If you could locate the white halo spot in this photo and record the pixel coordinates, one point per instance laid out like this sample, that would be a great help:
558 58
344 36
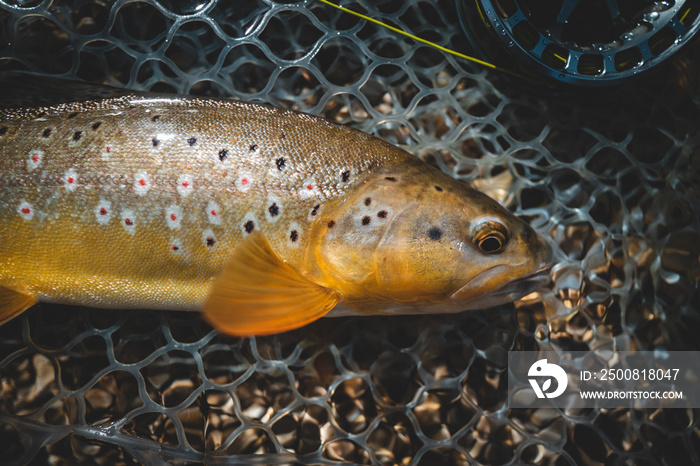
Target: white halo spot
273 208
128 220
173 216
249 217
293 227
184 185
308 189
244 181
26 210
103 212
142 183
175 246
34 159
214 213
70 180
208 237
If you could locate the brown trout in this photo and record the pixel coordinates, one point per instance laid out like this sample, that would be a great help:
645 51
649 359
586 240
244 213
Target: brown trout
264 219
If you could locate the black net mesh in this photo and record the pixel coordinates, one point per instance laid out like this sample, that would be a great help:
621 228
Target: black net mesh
611 177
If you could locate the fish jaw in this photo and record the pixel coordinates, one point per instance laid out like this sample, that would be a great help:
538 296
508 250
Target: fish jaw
508 292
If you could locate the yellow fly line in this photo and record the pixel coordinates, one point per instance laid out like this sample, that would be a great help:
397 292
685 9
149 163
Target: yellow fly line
424 41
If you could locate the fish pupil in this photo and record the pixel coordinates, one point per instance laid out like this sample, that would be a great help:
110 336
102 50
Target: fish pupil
490 244
435 233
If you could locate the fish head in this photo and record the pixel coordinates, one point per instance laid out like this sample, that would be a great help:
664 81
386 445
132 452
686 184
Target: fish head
420 238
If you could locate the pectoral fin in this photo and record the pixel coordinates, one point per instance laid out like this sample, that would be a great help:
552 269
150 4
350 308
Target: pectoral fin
258 294
13 303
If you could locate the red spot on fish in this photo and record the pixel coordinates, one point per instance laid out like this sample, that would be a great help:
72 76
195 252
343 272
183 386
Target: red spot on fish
70 180
244 181
173 217
142 182
213 212
309 187
108 150
26 210
128 221
103 211
185 184
35 158
174 248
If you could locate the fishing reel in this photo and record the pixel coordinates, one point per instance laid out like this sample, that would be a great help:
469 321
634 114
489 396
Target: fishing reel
581 42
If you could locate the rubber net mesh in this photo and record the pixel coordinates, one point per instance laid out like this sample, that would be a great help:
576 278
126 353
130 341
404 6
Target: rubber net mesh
611 177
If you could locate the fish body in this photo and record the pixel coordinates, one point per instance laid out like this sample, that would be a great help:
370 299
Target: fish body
265 218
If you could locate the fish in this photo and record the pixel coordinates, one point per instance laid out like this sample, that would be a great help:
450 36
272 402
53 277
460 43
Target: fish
264 219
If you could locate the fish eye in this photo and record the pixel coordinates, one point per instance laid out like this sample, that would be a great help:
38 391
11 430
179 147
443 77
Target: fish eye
490 237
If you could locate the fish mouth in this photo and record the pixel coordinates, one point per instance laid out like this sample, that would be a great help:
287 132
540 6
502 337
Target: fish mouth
510 291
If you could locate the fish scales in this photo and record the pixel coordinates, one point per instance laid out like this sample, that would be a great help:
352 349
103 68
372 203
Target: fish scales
158 168
265 219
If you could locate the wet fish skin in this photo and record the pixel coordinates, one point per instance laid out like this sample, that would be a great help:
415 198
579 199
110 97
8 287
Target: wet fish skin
142 201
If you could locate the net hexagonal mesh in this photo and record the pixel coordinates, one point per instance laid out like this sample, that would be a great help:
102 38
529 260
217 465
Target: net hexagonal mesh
610 177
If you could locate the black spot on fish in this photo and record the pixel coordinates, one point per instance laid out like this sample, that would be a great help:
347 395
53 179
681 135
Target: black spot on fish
46 133
390 178
96 125
253 147
382 214
73 115
368 201
211 242
435 233
293 236
155 117
155 142
438 188
331 224
249 226
77 135
315 209
283 136
274 210
346 177
3 130
223 154
192 141
280 163
365 220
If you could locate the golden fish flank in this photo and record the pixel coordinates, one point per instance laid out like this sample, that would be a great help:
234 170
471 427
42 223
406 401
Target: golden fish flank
266 219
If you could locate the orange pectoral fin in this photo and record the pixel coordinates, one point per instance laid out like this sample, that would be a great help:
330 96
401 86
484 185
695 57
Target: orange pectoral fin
13 303
258 294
